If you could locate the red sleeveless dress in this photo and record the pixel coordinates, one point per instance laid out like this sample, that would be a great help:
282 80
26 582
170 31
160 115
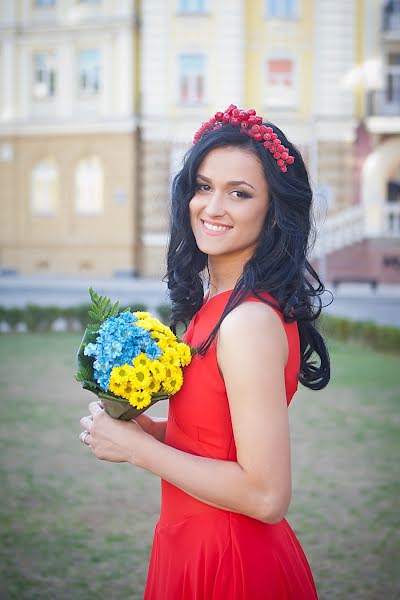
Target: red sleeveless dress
201 552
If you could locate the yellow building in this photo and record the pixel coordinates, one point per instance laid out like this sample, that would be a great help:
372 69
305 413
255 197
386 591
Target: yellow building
109 95
68 136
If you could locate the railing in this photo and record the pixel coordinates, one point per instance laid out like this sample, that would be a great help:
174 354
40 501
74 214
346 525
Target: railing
391 223
340 230
380 104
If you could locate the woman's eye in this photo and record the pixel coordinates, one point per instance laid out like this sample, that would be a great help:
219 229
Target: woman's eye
241 194
201 186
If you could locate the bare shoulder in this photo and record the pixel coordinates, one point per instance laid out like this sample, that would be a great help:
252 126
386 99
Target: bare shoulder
255 325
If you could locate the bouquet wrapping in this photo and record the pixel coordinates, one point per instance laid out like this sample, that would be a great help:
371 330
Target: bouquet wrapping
130 360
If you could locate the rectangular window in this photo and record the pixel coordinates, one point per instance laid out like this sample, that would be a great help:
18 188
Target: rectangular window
44 75
192 6
192 68
281 88
281 9
89 66
45 3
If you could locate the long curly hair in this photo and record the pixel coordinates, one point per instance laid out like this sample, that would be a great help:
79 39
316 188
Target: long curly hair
279 263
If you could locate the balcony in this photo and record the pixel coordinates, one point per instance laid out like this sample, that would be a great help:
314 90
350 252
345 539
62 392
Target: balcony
391 21
392 220
382 104
382 112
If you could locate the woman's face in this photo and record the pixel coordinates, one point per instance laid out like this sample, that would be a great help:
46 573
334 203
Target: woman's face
228 208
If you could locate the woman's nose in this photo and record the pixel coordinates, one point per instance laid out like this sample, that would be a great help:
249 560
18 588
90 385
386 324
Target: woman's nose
215 205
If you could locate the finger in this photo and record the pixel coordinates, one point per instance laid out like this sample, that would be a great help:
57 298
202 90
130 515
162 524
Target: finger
85 438
95 409
87 423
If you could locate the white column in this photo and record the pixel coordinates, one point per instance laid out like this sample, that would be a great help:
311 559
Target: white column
24 93
67 77
106 81
7 105
230 52
124 73
154 58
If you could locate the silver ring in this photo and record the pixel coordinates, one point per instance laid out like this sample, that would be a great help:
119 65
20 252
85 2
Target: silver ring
83 439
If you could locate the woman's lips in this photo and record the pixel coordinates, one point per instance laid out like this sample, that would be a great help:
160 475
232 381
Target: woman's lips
214 228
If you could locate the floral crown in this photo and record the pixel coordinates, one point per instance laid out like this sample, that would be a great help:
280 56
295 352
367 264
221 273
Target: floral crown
251 125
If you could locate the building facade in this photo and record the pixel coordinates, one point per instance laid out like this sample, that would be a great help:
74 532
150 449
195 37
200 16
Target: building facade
101 100
68 132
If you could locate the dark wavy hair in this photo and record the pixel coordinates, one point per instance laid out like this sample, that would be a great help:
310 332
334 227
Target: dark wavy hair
279 264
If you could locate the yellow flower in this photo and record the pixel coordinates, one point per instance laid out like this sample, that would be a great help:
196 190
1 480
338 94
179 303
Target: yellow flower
142 361
184 353
173 380
116 387
170 358
140 378
157 369
140 398
154 386
140 314
127 390
121 374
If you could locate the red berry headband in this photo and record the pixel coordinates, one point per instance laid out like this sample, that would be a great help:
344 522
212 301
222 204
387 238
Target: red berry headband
250 124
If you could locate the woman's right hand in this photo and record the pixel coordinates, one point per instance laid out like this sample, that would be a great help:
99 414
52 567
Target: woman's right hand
152 425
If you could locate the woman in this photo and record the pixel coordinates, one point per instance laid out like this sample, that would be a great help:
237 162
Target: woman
240 216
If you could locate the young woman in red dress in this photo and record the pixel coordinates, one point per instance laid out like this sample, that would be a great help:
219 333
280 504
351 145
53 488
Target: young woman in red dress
241 223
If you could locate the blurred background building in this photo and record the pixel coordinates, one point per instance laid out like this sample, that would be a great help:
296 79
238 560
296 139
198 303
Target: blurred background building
100 99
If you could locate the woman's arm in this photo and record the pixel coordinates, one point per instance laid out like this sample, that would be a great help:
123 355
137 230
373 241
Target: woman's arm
259 483
155 426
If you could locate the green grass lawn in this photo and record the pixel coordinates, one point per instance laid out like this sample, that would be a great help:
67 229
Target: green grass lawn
76 528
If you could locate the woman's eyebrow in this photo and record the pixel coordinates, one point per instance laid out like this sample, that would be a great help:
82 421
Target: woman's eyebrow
228 182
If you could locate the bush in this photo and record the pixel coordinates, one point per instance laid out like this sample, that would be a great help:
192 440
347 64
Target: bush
378 337
164 311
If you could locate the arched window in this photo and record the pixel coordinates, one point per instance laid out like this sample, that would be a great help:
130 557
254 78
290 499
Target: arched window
89 186
44 188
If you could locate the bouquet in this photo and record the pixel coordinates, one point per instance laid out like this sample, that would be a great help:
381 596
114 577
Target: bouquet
130 360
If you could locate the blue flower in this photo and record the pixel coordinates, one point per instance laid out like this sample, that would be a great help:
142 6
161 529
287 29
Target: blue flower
118 342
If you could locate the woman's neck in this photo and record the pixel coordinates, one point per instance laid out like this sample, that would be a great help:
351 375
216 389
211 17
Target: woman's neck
224 273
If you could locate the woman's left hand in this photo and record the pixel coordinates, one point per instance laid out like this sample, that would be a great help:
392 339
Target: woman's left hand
111 439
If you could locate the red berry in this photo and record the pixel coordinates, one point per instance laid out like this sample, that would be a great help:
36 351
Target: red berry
284 155
290 160
284 169
219 116
251 111
267 136
267 144
226 117
259 120
234 121
281 162
281 148
263 129
258 136
277 155
251 120
236 112
244 124
270 130
273 136
255 128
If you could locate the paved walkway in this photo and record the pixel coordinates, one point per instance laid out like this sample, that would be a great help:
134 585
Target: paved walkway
356 301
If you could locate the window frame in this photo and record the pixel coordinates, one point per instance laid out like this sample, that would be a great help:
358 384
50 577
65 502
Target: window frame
82 93
194 103
284 56
52 53
295 14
